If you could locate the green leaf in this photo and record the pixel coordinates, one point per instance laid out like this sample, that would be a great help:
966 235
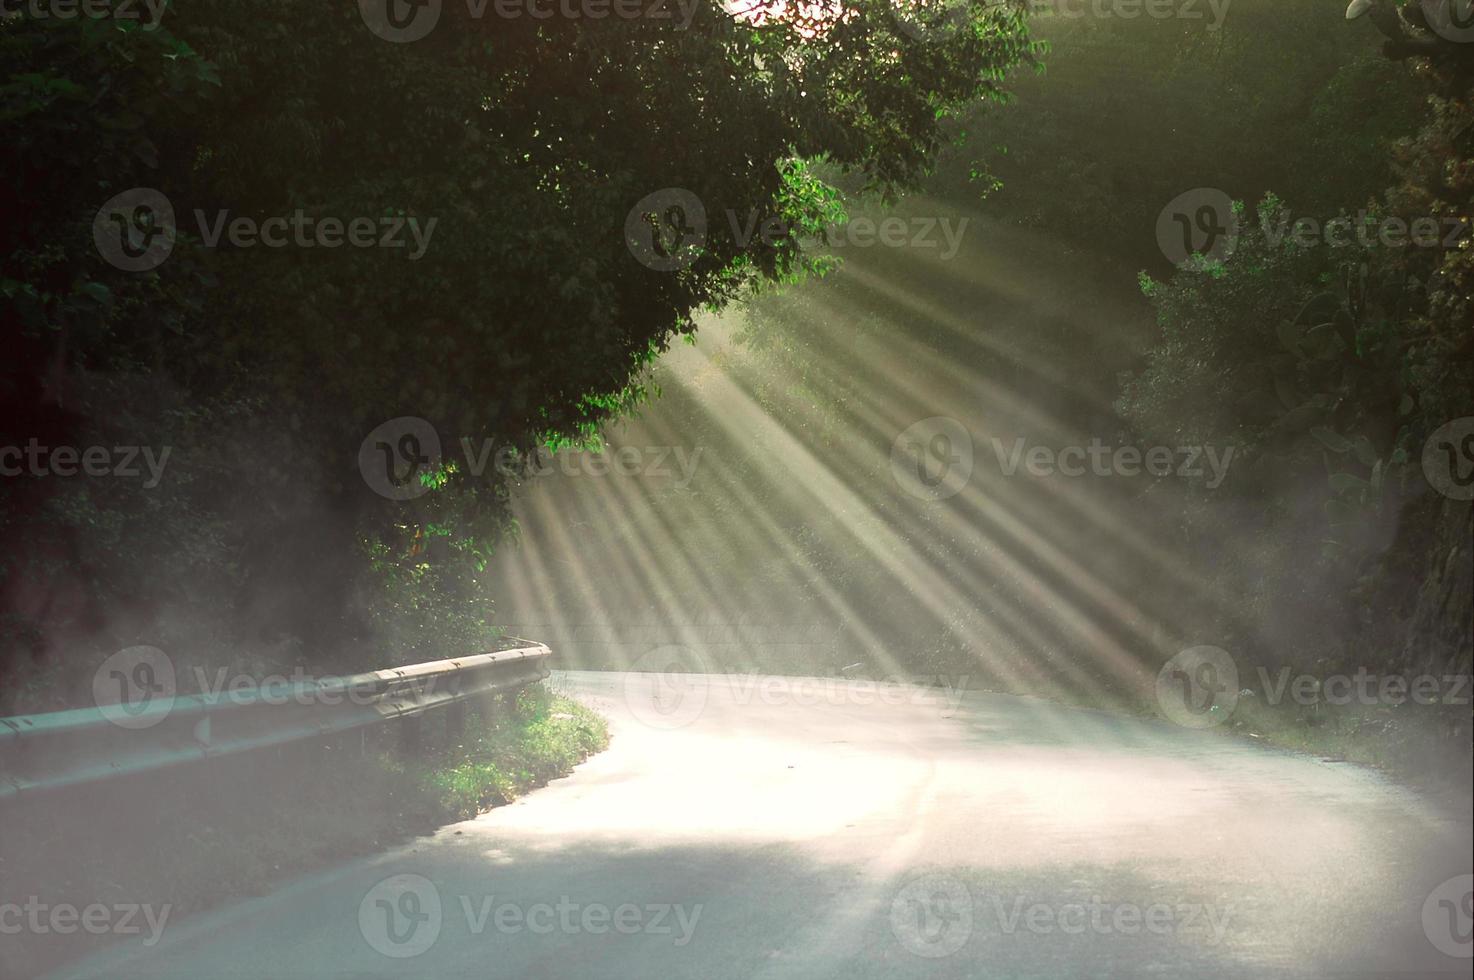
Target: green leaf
97 291
1290 335
1332 440
1286 393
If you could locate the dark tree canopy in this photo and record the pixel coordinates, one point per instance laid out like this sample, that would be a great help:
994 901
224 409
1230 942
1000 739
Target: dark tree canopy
507 154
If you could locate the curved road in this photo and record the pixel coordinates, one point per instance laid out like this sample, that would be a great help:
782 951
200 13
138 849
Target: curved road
775 828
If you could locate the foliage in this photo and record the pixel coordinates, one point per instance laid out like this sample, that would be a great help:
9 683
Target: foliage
526 321
1132 112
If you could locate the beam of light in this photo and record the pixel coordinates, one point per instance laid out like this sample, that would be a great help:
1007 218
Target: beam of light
1063 619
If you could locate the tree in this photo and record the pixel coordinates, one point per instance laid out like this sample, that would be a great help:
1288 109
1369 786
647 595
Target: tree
520 315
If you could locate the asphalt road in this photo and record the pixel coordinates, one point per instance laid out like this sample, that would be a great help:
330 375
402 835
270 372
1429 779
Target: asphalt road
822 828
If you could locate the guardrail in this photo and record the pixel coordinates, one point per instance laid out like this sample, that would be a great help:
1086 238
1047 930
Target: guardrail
65 748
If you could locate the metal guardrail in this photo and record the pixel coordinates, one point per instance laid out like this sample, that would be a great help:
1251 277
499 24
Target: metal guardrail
66 748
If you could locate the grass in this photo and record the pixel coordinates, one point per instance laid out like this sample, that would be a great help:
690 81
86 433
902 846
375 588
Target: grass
194 838
1426 747
496 765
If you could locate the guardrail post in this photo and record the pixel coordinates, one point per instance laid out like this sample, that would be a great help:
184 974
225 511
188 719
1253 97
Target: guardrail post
455 722
409 735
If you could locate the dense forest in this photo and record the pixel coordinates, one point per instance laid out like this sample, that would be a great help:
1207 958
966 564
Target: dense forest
242 387
1327 369
469 206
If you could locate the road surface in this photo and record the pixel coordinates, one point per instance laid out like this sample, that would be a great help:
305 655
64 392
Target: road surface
779 828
